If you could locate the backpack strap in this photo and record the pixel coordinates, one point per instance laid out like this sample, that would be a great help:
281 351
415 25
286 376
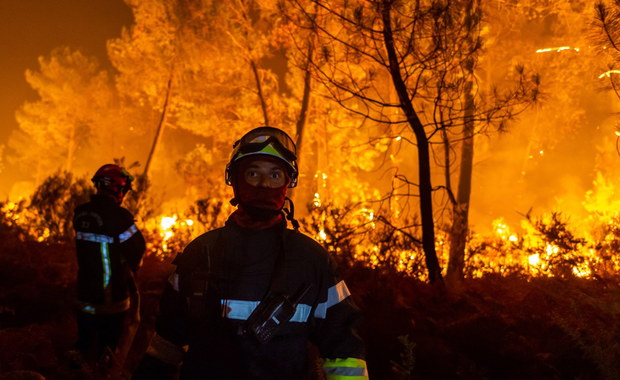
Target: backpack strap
197 282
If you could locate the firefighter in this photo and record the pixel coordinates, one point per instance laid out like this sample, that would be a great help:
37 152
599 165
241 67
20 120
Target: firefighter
245 299
109 250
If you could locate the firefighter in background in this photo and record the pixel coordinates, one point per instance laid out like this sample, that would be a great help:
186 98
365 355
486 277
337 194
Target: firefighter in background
245 299
109 252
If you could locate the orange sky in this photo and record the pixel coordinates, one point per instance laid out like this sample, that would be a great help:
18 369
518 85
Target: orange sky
32 28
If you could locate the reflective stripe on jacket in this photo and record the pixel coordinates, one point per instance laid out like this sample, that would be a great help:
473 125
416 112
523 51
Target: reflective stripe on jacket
108 246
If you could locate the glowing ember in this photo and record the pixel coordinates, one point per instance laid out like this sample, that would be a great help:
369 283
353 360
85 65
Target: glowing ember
316 201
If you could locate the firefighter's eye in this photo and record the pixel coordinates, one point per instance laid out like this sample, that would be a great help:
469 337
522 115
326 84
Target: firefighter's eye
277 174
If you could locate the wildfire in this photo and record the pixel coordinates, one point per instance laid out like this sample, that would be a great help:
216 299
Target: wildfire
540 248
608 73
557 49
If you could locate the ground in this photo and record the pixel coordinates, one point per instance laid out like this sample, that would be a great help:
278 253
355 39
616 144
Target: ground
490 328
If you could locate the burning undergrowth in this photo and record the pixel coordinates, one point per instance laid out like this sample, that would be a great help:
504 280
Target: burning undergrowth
541 303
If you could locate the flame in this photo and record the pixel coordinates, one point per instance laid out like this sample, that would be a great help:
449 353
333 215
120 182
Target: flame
557 49
608 73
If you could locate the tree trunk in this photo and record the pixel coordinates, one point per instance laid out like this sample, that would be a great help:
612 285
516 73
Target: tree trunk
460 214
425 188
305 102
259 90
303 117
160 128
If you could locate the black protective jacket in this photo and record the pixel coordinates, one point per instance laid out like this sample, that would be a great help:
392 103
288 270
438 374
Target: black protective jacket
220 279
109 250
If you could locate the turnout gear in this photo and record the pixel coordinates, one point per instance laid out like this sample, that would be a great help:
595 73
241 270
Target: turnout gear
267 141
245 299
223 279
109 250
113 181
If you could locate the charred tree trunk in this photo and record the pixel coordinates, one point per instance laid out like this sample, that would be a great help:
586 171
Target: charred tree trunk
425 188
305 103
259 91
160 128
460 214
303 116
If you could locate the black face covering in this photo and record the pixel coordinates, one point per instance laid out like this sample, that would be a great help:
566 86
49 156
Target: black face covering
259 213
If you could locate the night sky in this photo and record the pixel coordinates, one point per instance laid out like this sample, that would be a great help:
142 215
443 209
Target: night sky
32 28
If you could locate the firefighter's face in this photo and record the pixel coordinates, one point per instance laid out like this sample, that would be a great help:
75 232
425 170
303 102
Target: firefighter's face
263 173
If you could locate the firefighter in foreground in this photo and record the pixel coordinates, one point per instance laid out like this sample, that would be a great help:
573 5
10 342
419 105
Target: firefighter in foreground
109 252
245 299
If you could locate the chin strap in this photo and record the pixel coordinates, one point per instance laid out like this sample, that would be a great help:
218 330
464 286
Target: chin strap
290 213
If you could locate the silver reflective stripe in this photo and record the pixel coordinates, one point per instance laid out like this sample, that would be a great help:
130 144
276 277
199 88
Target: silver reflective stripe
88 309
237 309
346 371
128 233
173 280
95 238
335 295
105 260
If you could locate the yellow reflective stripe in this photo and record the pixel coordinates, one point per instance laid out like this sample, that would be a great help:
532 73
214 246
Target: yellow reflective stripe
105 261
345 369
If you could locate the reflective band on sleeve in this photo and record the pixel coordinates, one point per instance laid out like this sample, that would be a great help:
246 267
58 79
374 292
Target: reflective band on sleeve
237 309
112 308
335 295
165 350
95 238
345 369
128 233
105 261
173 280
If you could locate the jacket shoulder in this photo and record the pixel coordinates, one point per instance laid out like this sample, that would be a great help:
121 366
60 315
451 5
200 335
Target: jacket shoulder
196 250
304 244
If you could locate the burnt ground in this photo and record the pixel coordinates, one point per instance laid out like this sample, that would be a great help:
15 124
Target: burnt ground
490 328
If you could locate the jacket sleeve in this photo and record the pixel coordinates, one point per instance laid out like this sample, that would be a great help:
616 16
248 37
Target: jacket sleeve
336 320
132 243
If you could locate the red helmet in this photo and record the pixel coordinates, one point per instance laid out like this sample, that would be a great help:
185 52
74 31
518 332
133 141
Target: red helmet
113 180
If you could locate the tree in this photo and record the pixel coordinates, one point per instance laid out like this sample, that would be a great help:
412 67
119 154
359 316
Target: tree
607 17
198 67
75 97
427 51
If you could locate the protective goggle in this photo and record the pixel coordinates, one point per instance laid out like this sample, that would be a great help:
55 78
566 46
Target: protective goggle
122 182
265 140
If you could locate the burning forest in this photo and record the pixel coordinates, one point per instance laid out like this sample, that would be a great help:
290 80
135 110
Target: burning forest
459 160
